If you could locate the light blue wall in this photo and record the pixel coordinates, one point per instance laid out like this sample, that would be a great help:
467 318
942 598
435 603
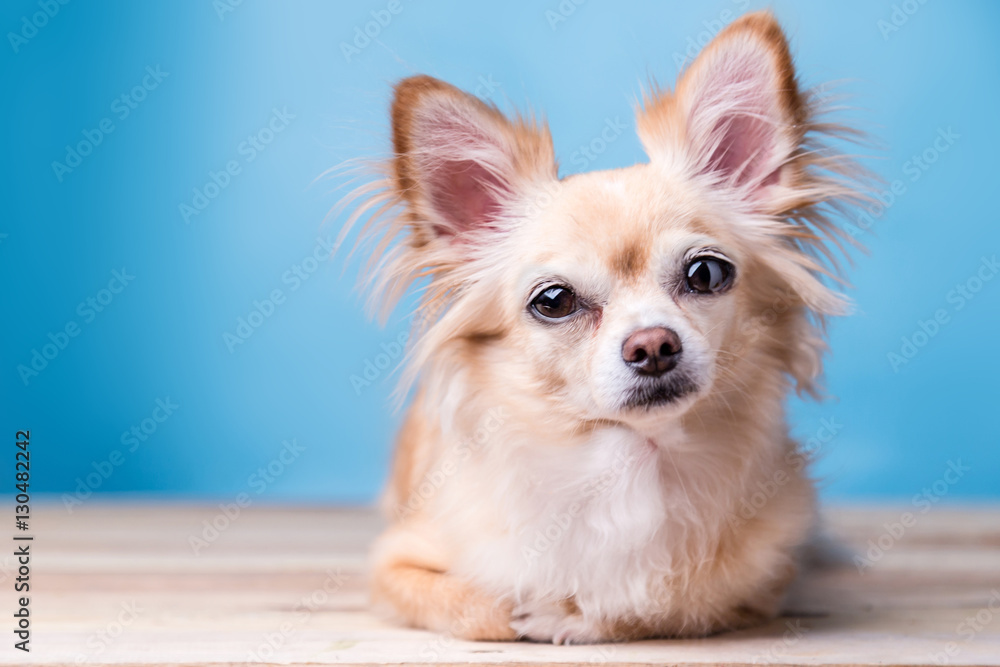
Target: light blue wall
223 75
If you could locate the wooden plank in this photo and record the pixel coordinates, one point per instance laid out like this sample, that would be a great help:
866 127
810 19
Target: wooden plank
121 584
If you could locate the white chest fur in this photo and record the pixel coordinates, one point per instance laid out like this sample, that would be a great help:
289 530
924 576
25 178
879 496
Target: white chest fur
594 521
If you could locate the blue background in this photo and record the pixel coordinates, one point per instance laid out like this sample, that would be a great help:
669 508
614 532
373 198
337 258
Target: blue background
163 335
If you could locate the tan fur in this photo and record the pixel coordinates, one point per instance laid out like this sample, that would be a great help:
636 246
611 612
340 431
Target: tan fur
516 422
416 588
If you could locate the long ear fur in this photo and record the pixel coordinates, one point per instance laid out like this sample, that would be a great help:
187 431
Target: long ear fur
738 122
459 161
458 179
461 177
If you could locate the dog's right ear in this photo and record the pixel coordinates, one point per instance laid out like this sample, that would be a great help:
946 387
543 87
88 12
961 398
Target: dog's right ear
460 165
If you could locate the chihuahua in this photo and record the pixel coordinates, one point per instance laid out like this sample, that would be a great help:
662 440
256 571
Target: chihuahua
596 446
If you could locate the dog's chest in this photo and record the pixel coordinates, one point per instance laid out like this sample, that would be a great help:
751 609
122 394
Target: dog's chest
591 523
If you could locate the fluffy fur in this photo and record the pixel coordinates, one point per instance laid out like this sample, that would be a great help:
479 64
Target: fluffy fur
540 488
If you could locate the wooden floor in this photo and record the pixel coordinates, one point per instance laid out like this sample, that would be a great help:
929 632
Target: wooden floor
115 584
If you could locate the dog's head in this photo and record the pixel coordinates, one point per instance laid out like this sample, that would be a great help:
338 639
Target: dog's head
621 295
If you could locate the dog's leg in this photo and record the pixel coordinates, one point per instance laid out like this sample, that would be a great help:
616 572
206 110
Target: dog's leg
441 602
558 622
425 596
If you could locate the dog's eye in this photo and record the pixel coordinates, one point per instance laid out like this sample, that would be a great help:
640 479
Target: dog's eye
706 275
555 302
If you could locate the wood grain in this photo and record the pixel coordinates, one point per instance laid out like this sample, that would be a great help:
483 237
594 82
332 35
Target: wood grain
122 584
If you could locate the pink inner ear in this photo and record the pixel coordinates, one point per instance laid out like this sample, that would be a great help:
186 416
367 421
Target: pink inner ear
734 118
743 151
464 194
464 169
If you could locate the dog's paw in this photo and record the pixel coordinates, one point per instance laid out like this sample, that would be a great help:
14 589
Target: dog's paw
556 622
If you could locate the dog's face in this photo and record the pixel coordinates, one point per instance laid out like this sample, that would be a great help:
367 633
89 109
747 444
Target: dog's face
621 295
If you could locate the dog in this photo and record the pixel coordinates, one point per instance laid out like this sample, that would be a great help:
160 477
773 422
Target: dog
596 447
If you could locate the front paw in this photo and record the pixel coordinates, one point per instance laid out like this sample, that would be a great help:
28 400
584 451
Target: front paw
557 622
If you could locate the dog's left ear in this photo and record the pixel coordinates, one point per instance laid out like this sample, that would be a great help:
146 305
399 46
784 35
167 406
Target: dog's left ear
736 115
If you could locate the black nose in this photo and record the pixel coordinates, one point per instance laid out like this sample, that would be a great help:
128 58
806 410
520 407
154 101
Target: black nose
652 351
